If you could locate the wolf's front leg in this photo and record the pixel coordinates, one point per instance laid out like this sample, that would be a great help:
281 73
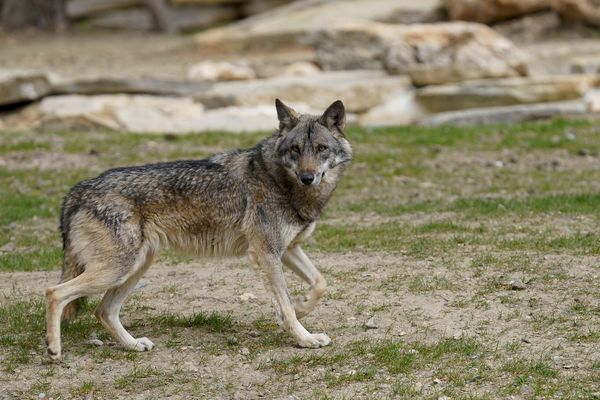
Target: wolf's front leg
272 270
295 259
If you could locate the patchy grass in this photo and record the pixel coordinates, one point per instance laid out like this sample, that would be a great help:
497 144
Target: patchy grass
435 223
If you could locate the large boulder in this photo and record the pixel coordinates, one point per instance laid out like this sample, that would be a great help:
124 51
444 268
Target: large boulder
428 53
360 90
586 11
488 11
18 86
143 114
503 92
294 24
134 113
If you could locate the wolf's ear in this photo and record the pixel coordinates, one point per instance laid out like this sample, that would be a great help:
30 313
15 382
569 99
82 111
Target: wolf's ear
288 117
334 116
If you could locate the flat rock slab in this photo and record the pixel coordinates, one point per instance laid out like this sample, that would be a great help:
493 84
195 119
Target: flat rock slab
293 24
360 90
143 114
507 114
110 85
18 86
504 92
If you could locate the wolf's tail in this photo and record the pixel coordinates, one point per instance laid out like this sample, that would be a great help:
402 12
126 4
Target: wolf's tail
71 269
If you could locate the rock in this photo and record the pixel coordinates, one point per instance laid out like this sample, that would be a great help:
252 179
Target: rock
585 64
118 112
370 324
190 19
360 90
586 11
17 86
247 297
95 342
517 284
487 11
592 100
220 71
252 7
87 8
530 28
245 351
299 68
428 53
8 248
262 117
399 109
294 24
136 19
104 85
506 114
502 92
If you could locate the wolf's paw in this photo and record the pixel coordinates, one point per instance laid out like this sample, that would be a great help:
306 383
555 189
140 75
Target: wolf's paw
53 350
54 354
315 340
142 344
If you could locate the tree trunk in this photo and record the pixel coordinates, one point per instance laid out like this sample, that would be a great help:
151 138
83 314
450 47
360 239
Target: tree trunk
42 14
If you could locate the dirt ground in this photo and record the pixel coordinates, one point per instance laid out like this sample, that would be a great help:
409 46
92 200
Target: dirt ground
362 286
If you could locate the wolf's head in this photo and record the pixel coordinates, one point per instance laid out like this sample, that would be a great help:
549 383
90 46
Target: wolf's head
310 146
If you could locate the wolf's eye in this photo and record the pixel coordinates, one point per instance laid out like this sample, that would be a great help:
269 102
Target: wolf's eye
295 148
321 148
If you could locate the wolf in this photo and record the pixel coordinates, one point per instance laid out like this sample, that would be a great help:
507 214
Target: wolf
261 202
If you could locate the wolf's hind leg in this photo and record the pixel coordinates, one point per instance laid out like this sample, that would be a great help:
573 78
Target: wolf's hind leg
110 306
295 259
272 270
92 281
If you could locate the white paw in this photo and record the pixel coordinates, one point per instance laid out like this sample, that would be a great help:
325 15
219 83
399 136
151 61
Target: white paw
142 344
53 354
315 340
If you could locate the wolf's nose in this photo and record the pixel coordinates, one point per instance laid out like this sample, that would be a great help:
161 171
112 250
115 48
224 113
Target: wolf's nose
307 178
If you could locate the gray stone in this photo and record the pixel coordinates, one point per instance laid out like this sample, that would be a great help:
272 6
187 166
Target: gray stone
134 19
104 85
360 90
502 92
399 109
506 114
17 86
371 324
190 19
428 53
87 8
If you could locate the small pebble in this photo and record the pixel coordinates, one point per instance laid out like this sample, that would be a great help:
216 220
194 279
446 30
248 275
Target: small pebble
245 351
171 273
231 340
247 297
370 324
95 342
517 284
